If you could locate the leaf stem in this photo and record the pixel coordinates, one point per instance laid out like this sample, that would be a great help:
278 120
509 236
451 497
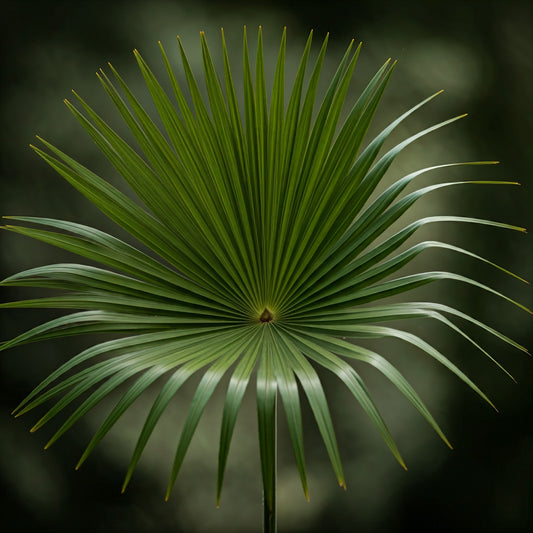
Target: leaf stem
270 524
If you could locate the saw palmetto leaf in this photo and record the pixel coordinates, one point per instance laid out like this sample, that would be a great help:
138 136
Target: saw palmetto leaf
268 254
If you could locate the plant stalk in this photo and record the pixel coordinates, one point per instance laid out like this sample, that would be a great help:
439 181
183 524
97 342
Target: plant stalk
270 503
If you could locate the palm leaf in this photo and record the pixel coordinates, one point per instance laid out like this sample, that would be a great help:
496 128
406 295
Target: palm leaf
262 225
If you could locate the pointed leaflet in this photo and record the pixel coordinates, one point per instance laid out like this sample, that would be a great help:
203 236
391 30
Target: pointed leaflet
116 346
401 312
217 267
346 349
267 423
203 354
108 250
356 386
121 367
128 215
234 395
369 225
357 278
274 162
288 389
399 285
355 331
315 245
317 400
315 153
205 389
229 218
239 216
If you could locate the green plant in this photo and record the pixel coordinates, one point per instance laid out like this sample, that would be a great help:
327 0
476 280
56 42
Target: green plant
264 229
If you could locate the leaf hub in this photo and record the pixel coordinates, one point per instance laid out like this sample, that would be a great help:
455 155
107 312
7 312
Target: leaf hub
266 316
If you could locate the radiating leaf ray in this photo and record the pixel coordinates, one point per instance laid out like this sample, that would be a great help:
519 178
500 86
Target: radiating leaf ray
267 422
336 345
204 355
370 225
288 388
317 400
357 387
205 389
234 396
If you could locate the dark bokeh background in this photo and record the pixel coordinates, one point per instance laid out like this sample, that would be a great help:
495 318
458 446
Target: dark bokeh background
481 53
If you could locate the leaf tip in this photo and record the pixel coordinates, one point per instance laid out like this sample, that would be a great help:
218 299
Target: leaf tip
401 461
81 460
17 411
527 309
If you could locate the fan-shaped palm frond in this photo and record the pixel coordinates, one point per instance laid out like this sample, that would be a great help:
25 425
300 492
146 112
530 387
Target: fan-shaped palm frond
264 239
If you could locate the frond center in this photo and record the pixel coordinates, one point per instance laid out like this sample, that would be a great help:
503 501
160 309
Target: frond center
266 316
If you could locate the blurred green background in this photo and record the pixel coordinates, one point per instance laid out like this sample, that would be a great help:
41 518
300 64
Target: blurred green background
481 53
